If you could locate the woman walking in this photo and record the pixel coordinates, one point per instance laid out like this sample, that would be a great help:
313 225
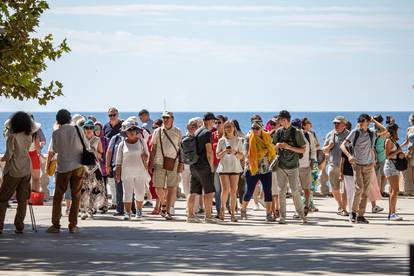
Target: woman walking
260 153
229 152
93 191
17 170
393 151
132 168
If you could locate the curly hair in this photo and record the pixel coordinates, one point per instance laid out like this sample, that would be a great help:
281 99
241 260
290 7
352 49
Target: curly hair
21 122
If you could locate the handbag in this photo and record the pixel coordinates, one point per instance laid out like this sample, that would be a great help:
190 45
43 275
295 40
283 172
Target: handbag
401 164
88 157
168 163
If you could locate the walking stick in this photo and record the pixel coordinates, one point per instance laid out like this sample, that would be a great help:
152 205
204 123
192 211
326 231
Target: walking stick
32 216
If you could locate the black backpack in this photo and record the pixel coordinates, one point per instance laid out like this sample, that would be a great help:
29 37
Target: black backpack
189 147
292 140
357 134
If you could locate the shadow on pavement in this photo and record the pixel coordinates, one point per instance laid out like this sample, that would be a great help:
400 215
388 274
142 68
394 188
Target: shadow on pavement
114 250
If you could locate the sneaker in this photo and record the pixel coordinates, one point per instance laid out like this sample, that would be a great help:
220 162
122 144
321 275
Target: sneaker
362 219
352 217
377 209
256 207
84 216
296 216
193 220
148 204
394 217
74 230
270 218
339 213
127 216
282 220
53 230
172 211
138 215
210 220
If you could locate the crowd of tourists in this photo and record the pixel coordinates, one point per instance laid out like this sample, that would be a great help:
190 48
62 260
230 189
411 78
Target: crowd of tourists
124 165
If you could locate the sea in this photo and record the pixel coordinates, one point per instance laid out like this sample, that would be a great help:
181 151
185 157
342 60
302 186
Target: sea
322 121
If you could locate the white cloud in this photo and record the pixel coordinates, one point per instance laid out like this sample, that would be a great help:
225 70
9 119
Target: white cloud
159 46
150 9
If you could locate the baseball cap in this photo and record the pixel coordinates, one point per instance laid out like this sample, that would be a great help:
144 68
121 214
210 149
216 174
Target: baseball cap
339 119
209 116
128 125
167 114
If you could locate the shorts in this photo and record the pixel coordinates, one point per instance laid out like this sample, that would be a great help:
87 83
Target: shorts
390 169
134 185
34 156
202 179
379 169
305 177
334 173
229 173
163 178
275 186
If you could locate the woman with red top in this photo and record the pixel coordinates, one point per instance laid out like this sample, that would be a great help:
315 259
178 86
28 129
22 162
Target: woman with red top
217 134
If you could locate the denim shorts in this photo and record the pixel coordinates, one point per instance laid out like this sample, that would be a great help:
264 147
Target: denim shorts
390 169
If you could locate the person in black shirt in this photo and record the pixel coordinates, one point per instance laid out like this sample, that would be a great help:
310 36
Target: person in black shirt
202 172
113 127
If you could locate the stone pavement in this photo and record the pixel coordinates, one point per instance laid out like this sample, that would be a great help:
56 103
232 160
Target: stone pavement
328 245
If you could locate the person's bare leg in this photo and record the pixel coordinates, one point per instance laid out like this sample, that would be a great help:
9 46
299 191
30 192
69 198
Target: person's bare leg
394 189
234 181
225 185
138 204
208 203
127 206
337 195
171 196
36 180
190 205
344 200
161 196
307 197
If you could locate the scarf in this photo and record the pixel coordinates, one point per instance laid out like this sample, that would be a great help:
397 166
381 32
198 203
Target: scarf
260 147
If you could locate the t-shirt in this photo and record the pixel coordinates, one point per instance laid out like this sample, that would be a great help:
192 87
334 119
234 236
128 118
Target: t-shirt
204 137
336 152
170 150
289 159
363 150
110 131
67 144
129 157
113 147
347 170
380 149
18 163
229 163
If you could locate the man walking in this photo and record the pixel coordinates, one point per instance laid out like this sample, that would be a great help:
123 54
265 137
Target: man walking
165 157
290 145
362 159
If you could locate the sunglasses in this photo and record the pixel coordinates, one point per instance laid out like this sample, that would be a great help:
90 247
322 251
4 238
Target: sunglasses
89 128
228 127
112 115
256 128
218 122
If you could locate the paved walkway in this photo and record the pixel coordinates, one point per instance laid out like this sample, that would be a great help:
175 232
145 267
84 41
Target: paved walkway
328 245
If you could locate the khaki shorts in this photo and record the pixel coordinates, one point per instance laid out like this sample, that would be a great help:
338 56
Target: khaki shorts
275 186
163 178
334 173
305 176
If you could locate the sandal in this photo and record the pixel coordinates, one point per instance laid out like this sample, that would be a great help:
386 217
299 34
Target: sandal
277 214
306 210
221 215
164 211
243 214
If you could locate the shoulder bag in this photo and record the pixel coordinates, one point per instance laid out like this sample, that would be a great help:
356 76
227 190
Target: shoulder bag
88 158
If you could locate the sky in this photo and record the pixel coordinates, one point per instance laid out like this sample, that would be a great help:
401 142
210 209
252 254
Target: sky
231 55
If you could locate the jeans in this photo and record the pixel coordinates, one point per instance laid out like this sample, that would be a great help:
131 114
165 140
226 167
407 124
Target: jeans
119 197
265 179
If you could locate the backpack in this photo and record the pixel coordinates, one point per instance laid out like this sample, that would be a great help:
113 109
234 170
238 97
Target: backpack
189 147
358 133
292 139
